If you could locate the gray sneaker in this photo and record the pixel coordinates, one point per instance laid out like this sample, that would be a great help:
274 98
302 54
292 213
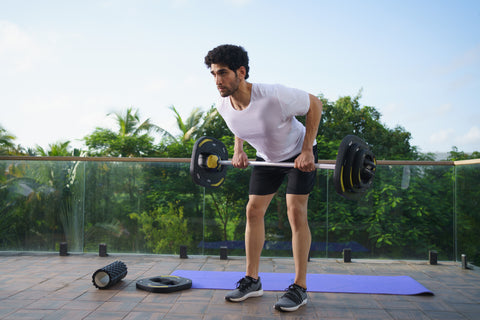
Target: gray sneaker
246 288
294 298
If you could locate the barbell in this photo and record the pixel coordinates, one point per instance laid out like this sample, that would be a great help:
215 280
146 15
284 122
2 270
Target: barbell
354 168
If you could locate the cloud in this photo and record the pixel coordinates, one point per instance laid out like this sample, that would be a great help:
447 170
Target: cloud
444 109
441 137
469 141
472 136
155 85
19 51
180 4
461 82
106 3
465 60
460 71
239 3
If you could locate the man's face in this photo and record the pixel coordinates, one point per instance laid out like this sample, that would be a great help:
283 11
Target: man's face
227 81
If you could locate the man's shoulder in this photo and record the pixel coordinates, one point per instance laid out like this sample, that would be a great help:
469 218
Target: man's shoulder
266 89
279 91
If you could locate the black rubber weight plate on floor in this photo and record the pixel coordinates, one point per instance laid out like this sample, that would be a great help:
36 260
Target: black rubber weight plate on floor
164 284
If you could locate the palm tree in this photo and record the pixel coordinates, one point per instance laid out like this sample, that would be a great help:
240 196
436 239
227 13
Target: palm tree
66 180
56 150
6 141
190 126
131 140
129 124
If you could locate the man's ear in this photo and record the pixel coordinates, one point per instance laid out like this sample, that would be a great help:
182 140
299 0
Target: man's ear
241 72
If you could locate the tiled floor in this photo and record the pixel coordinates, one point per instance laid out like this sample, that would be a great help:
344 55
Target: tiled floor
52 287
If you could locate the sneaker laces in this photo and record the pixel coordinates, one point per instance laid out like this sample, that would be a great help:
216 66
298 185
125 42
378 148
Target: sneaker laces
293 293
243 284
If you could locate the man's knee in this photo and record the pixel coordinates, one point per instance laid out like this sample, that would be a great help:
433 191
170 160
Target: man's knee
257 206
297 204
254 211
297 207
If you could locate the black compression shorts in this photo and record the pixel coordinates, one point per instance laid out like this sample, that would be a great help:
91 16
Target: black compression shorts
266 180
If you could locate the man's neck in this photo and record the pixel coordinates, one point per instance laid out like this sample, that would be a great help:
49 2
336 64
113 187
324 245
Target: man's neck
241 98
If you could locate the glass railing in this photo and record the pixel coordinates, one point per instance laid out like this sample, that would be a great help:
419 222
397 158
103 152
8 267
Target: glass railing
466 217
152 206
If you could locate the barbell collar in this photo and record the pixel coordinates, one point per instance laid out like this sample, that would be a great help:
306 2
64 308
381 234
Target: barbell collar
369 163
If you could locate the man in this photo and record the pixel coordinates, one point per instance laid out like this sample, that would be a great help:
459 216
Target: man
264 116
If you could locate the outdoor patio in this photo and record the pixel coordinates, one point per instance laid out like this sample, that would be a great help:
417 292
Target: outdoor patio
48 286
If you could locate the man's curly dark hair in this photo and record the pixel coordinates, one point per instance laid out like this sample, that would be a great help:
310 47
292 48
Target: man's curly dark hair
230 55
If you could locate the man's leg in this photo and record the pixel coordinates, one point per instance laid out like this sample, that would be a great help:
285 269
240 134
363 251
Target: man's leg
296 295
301 238
250 285
255 231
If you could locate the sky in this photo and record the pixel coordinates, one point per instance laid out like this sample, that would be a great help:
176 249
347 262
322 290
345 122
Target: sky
66 65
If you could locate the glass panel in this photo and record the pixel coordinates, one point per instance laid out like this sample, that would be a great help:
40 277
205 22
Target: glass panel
225 217
41 205
153 207
467 203
142 208
407 212
225 214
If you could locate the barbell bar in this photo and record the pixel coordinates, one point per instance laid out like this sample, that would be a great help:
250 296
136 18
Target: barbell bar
354 168
276 164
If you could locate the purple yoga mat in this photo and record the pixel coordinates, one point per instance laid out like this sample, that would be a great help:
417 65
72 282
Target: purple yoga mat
339 283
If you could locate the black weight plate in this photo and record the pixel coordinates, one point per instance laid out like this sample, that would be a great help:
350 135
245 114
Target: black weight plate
350 156
164 284
340 170
201 175
348 180
343 179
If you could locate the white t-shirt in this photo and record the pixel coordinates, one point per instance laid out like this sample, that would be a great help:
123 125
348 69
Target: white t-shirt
268 123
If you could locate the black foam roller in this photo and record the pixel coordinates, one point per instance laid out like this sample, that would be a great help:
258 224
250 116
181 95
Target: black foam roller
109 275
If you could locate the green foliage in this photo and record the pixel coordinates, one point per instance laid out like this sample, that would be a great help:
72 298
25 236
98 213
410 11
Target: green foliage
49 196
165 228
58 149
6 142
467 202
127 142
176 149
155 207
347 116
227 206
190 126
103 142
455 155
213 125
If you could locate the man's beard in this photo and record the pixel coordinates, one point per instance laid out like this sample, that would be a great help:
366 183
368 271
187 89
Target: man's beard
229 91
